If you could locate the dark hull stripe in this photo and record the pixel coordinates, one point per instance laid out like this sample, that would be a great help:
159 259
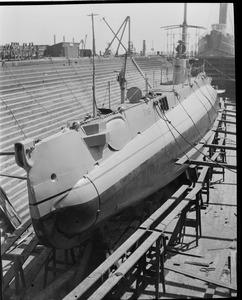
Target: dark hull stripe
49 198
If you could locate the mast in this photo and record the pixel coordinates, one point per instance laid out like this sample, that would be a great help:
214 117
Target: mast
93 67
129 37
184 25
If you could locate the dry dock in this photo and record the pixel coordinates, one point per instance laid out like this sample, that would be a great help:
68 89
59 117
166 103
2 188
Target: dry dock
188 250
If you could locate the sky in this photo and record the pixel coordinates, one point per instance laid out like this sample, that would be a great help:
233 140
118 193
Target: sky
39 23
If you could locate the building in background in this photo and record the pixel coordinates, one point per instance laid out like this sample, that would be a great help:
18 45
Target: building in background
63 49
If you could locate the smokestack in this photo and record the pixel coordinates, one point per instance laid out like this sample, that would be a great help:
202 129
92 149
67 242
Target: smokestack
54 39
223 13
144 48
63 39
73 40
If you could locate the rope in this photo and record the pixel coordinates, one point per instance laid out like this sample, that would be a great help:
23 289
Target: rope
204 155
232 79
169 122
194 92
204 94
178 98
14 118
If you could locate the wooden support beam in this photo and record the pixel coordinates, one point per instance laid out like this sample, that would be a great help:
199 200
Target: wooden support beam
211 164
32 270
220 146
229 103
98 273
215 156
83 264
193 192
166 213
224 115
179 208
229 111
197 276
208 137
159 213
19 258
52 288
233 269
125 267
15 236
227 121
189 154
225 131
203 173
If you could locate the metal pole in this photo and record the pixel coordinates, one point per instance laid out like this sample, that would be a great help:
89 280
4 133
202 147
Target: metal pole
109 95
184 25
93 66
129 36
146 85
121 40
115 35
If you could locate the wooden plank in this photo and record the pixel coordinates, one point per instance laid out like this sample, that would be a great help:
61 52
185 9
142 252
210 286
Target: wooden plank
129 231
233 269
32 270
125 267
92 278
24 255
99 272
83 264
197 276
105 266
229 110
208 137
229 104
189 154
48 292
226 131
223 257
160 211
215 156
162 226
226 121
220 146
212 164
8 213
193 192
203 174
16 234
224 115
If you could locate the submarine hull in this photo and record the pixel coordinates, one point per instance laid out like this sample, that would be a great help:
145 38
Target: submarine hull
144 163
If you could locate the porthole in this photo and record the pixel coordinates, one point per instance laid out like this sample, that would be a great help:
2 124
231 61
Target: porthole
53 177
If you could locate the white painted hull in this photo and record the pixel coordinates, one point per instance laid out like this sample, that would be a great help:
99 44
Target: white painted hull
89 188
